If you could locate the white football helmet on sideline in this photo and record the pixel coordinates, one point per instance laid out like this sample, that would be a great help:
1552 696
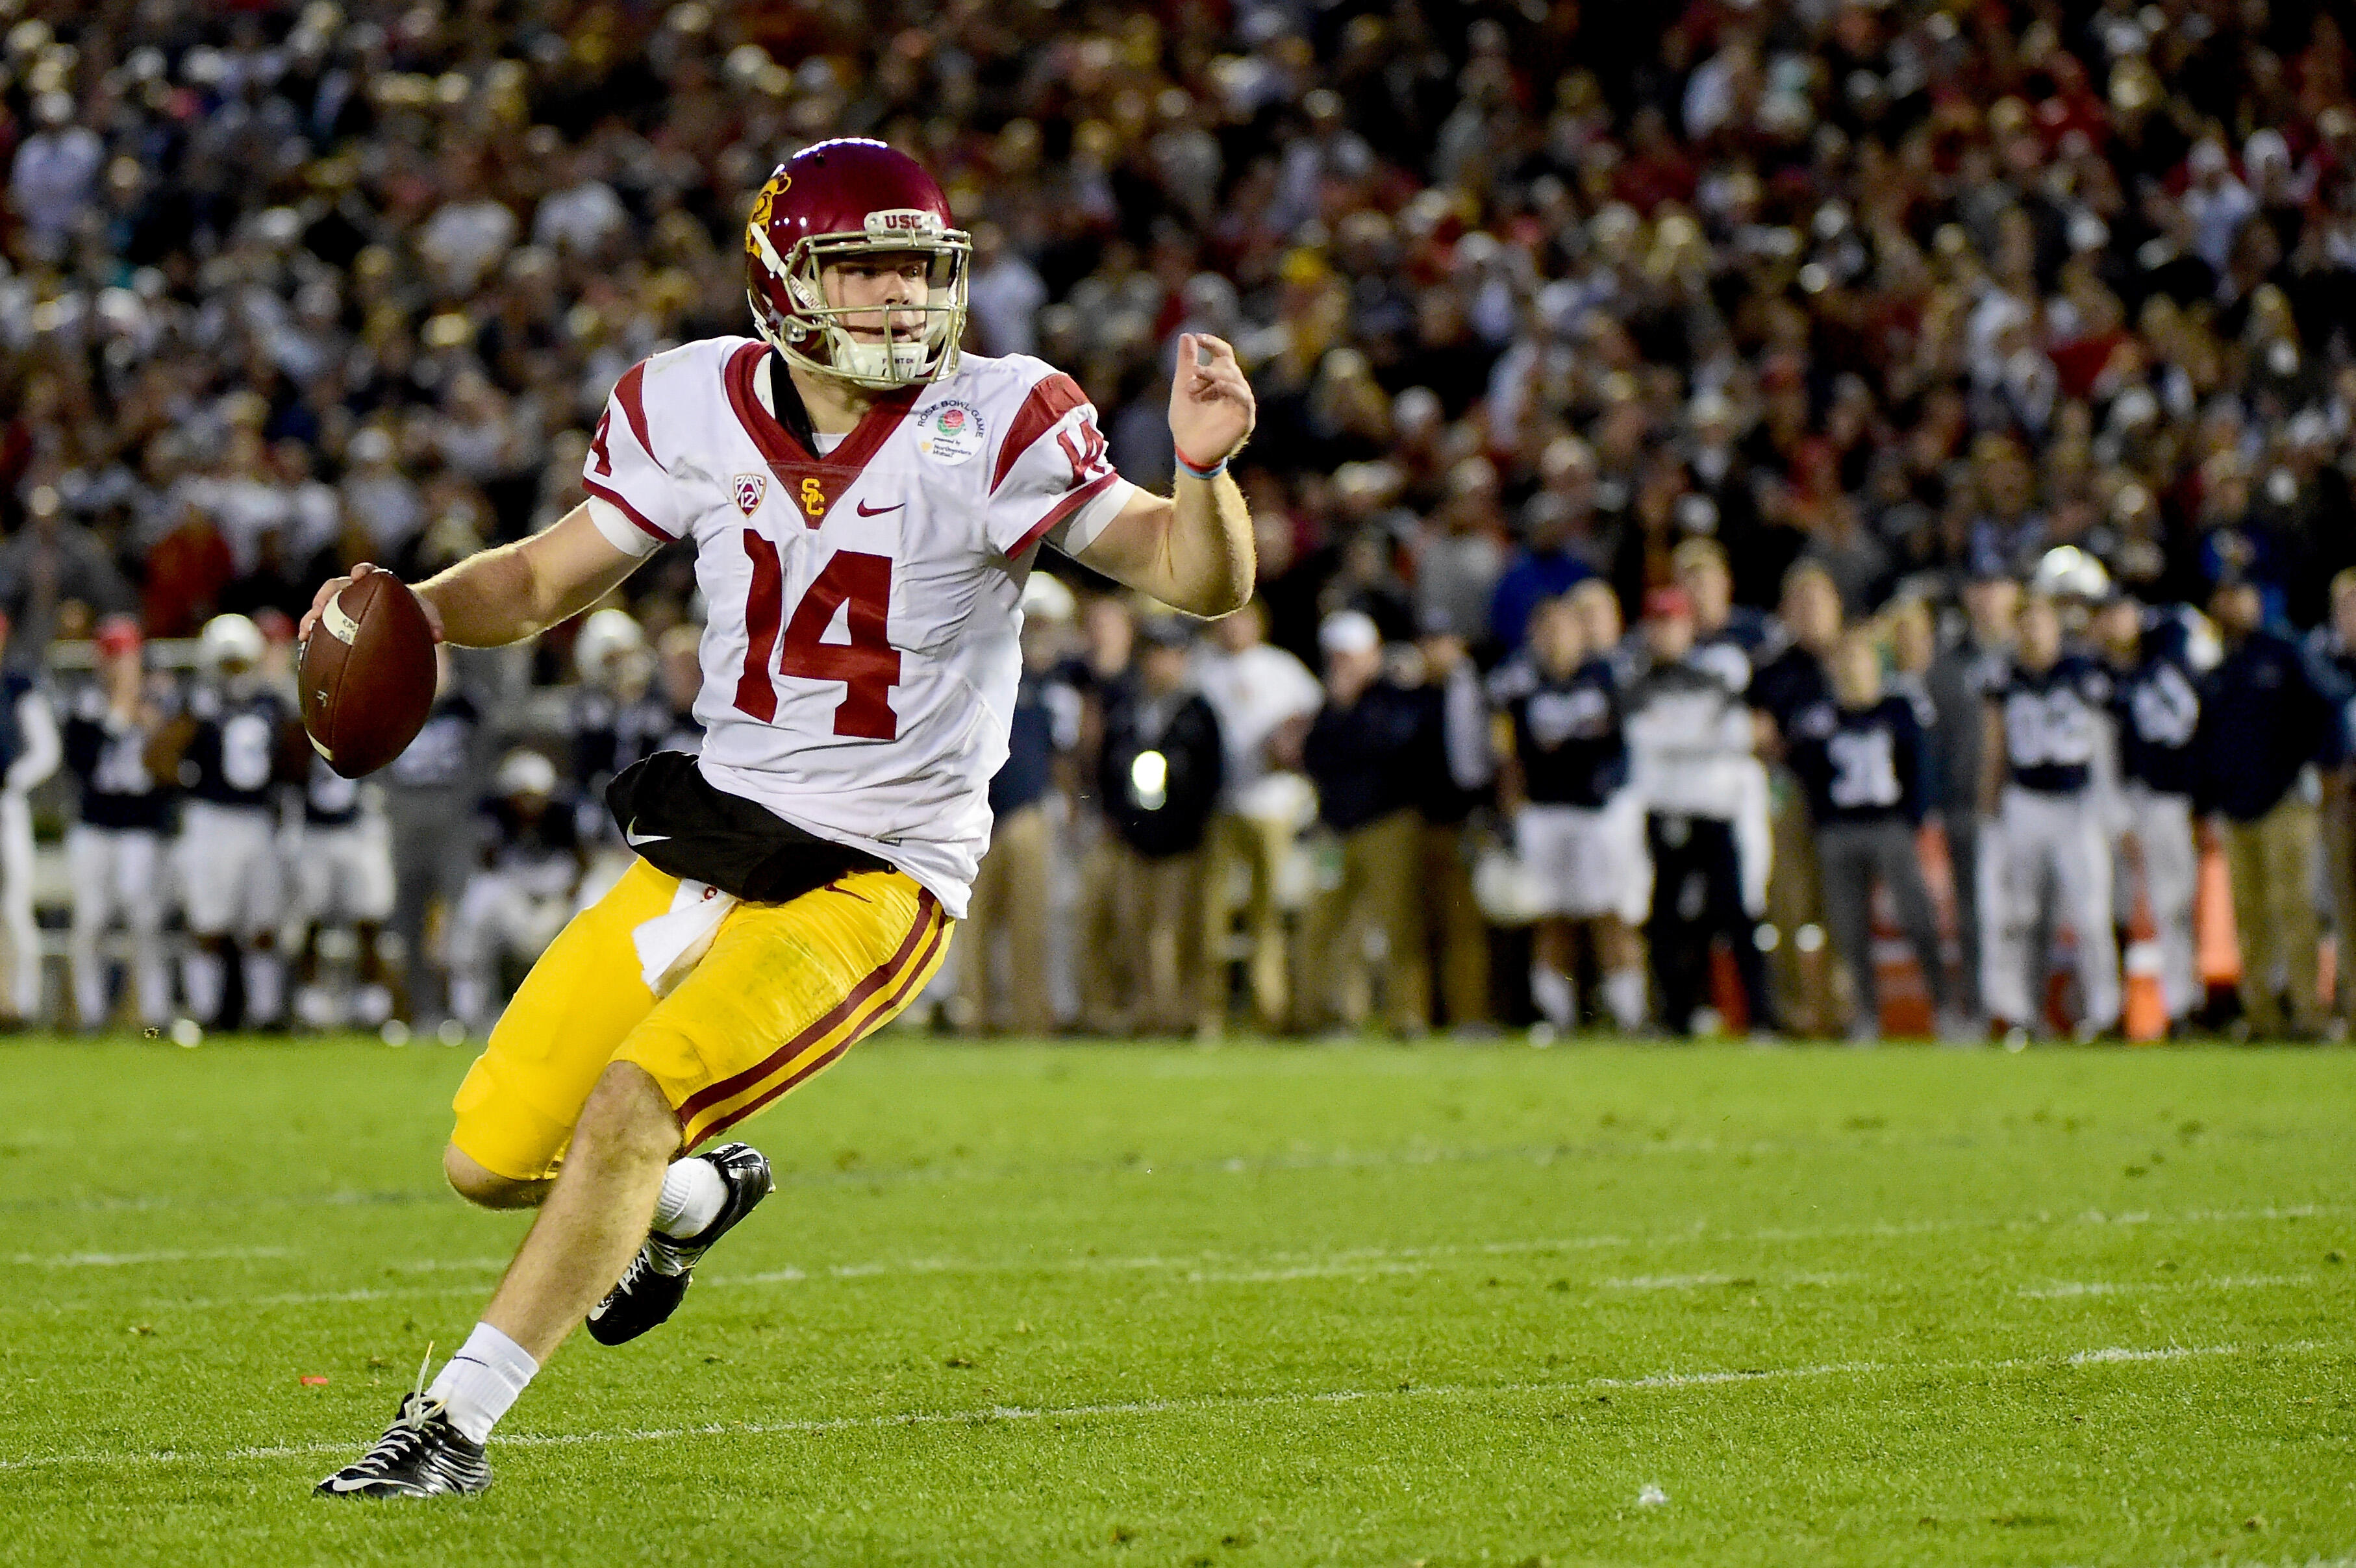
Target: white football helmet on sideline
611 648
229 644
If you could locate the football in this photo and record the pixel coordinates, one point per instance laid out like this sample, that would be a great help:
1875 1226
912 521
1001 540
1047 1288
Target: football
367 672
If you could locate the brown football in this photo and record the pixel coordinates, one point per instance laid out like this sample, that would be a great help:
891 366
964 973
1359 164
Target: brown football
368 677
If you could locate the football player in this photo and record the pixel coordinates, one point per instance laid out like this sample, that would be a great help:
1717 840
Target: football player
2046 717
1577 826
865 503
2156 660
342 858
230 751
1859 756
115 850
29 752
532 863
618 719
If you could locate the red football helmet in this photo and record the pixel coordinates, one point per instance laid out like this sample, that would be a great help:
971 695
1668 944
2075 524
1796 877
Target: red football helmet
841 199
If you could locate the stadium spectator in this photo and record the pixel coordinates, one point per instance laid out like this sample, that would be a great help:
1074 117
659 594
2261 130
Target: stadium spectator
1158 772
2270 715
1360 752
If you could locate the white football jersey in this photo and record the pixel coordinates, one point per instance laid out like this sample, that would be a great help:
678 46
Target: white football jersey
861 649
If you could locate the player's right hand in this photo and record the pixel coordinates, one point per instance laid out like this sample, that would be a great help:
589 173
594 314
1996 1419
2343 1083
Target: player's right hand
335 585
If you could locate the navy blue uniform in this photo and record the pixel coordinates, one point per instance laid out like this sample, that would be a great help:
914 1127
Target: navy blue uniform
329 799
2158 707
117 791
443 755
232 758
1044 724
2051 719
1793 690
1864 765
1568 738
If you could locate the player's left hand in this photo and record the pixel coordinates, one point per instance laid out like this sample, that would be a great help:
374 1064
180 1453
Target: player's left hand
1211 405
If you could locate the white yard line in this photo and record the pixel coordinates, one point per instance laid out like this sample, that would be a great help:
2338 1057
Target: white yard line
1215 1404
2071 1289
1214 1268
133 1260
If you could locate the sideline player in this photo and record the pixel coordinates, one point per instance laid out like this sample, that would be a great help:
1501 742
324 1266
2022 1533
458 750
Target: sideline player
798 882
1579 829
230 751
2042 825
2156 658
341 860
115 850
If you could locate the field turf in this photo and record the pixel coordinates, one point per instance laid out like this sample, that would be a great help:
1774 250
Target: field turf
1359 1305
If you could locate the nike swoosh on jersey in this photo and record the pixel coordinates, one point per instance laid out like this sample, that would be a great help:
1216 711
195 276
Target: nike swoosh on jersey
867 511
633 837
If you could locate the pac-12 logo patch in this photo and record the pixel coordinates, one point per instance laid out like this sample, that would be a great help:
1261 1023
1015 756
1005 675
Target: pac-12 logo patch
750 488
950 430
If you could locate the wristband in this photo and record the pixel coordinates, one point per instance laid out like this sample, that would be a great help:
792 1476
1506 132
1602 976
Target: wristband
1199 471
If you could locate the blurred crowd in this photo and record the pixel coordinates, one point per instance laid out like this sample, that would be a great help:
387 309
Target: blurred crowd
1859 311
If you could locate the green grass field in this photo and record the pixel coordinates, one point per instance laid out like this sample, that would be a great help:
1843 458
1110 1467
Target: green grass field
1254 1305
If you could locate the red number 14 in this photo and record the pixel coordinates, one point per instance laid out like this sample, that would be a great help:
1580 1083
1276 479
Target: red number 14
868 665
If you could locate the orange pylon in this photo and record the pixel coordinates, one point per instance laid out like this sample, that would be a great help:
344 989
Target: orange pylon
2143 1017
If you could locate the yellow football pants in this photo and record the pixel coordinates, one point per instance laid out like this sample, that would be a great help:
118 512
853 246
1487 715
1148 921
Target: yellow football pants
783 990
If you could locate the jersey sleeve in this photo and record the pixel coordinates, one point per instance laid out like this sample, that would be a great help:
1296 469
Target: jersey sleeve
1052 478
632 499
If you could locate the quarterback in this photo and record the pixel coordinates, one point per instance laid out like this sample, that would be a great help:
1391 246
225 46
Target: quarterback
865 503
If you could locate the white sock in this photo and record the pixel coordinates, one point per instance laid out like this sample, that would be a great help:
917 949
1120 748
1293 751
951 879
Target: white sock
1550 989
692 1193
266 987
1623 993
200 983
481 1383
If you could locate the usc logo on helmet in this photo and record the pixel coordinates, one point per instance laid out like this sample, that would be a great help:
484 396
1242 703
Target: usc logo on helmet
765 204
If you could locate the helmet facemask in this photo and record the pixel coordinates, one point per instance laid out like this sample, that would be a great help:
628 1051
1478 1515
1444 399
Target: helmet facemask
819 334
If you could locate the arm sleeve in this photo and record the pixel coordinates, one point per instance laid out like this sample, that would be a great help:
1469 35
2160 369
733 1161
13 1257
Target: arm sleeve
1052 478
632 499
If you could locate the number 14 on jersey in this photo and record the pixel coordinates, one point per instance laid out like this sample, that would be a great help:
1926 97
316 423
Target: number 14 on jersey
868 665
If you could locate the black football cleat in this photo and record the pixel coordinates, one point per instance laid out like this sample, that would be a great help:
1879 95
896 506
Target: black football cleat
652 1286
421 1455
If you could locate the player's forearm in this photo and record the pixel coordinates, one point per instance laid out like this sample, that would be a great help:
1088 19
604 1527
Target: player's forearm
507 594
490 600
1207 547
